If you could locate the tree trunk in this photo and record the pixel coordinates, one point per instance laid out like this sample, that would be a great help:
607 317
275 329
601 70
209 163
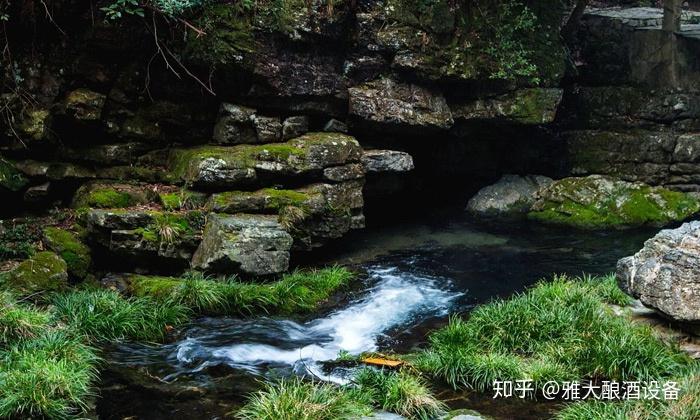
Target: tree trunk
672 15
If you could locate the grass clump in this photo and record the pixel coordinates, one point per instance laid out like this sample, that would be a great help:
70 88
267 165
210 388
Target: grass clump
685 407
103 315
558 330
19 322
300 291
398 392
47 377
294 399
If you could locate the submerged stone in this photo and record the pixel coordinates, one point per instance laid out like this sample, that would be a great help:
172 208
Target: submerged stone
248 244
665 273
599 202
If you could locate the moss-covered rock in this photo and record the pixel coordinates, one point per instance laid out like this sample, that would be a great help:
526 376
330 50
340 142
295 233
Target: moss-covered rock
524 106
267 200
221 167
84 104
75 253
152 286
108 195
44 272
599 202
10 178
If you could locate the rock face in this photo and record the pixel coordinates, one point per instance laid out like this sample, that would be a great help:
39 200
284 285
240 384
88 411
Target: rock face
525 106
386 161
665 274
598 202
394 104
248 244
213 167
511 195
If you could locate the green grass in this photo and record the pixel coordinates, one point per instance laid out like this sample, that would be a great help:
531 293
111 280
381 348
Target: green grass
294 399
19 322
297 292
104 315
686 407
398 392
48 377
558 330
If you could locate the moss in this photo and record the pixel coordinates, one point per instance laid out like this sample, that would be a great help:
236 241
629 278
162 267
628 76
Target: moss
71 249
267 200
10 178
43 272
154 286
105 198
229 34
597 203
181 200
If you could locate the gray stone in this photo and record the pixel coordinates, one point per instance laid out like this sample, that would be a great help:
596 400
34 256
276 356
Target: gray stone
247 244
294 127
387 161
335 126
687 148
511 195
234 125
37 193
394 104
344 173
665 273
267 129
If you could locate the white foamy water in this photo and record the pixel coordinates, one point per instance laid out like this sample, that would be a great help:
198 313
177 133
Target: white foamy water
397 299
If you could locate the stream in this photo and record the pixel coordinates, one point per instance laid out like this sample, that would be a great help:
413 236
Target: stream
416 274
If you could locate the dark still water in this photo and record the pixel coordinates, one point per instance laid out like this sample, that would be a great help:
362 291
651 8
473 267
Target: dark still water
416 275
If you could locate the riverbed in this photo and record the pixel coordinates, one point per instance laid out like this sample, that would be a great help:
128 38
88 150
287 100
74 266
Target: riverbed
413 277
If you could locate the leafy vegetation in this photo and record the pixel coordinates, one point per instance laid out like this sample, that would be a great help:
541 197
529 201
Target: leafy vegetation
294 399
558 330
296 292
18 241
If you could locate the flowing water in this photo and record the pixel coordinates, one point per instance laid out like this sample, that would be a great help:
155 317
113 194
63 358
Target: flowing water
416 275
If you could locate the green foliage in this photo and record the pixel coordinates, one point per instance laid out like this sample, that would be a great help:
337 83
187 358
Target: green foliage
300 291
172 8
398 392
104 315
559 330
48 377
294 399
18 241
19 322
686 407
119 8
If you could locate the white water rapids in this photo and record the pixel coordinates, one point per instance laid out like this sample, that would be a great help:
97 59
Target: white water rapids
395 299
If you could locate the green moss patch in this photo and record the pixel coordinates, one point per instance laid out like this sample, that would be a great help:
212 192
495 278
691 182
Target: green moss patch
267 200
44 272
182 200
112 196
597 202
75 253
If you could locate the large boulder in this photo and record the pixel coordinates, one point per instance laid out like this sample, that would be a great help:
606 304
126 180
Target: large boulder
247 244
214 167
394 104
599 202
665 273
511 195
